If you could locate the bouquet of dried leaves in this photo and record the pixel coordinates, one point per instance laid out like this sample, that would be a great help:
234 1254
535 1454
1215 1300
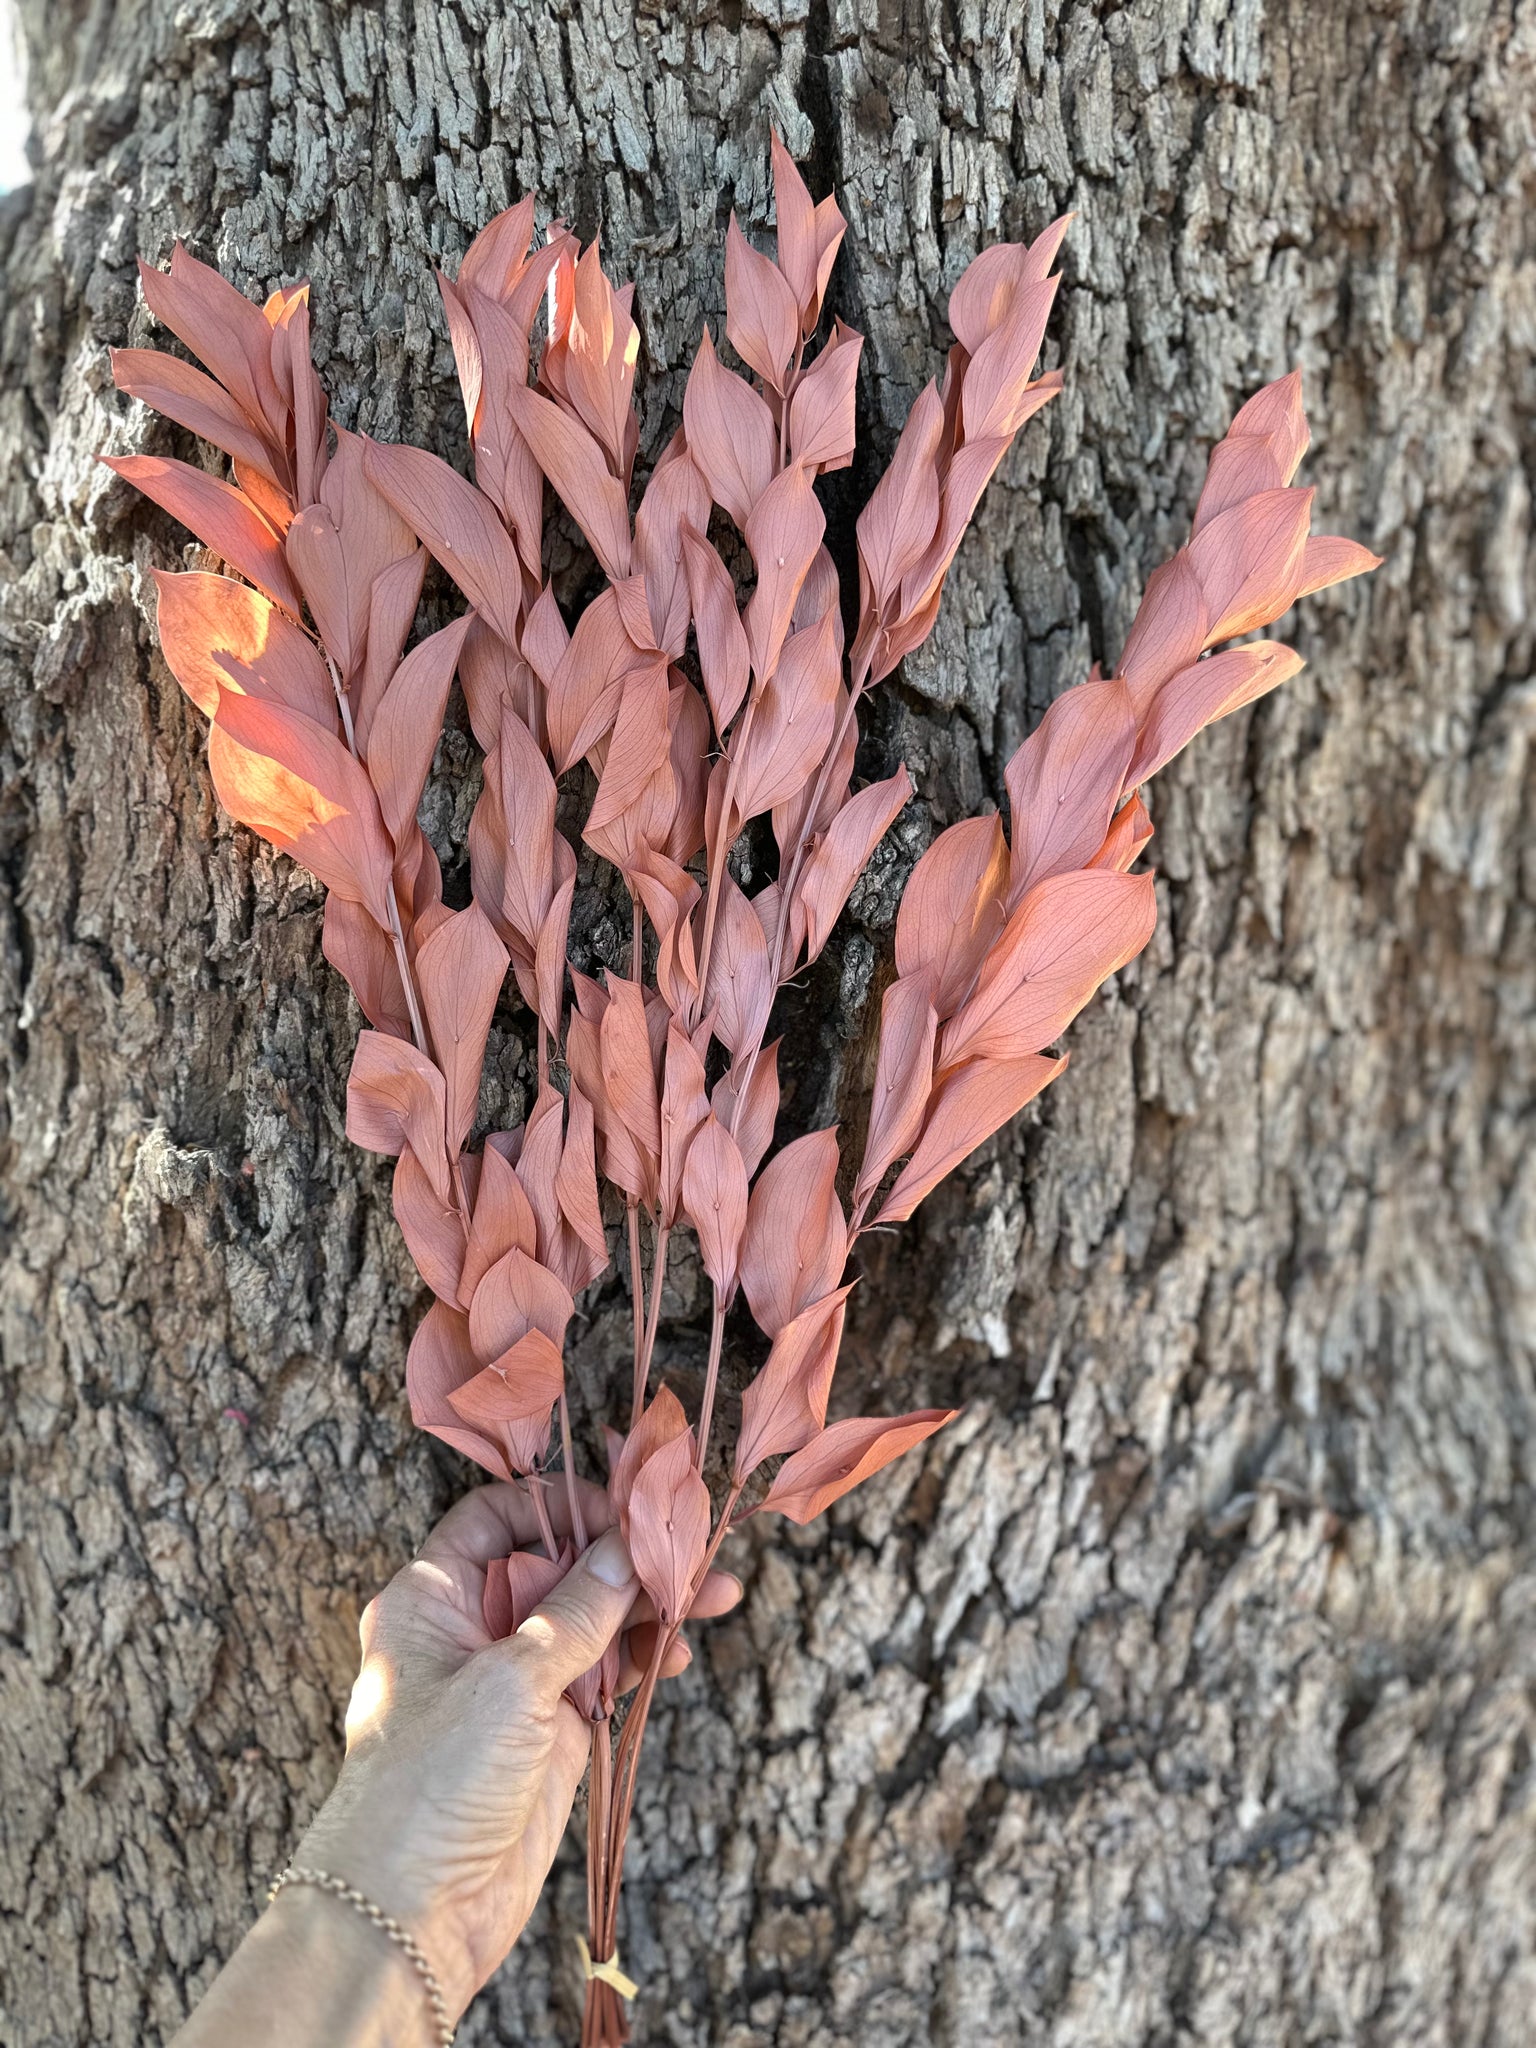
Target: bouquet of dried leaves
684 707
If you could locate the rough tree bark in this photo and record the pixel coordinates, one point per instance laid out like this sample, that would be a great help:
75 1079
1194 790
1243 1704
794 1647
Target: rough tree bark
1184 1691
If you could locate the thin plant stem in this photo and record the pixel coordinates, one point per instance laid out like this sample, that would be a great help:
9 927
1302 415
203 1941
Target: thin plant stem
541 1509
573 1498
658 1273
712 1375
637 1300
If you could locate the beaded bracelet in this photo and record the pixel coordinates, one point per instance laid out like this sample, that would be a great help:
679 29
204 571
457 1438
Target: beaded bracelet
406 1943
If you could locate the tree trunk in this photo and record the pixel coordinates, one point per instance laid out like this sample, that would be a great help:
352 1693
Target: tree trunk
1184 1690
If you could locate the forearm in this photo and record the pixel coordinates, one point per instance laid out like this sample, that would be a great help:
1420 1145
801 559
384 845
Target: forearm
312 1973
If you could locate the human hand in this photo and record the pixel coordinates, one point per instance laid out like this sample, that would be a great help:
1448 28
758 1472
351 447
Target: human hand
463 1755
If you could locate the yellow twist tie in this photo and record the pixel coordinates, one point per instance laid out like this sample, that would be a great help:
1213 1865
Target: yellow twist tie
606 1973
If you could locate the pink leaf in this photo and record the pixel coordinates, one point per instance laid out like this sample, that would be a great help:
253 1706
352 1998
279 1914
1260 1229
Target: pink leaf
669 1526
723 659
808 236
628 1068
218 634
1331 559
731 434
843 853
460 970
796 1241
899 522
586 688
821 420
786 1404
751 1122
358 949
458 524
903 1077
295 783
783 531
638 747
676 504
968 1107
835 1462
1248 560
1169 630
396 1097
953 908
440 1361
663 1422
408 723
762 318
195 402
518 1294
222 518
715 1200
1204 692
432 1228
1129 831
223 330
794 722
684 1108
524 1382
1064 782
574 465
503 1218
740 986
1067 936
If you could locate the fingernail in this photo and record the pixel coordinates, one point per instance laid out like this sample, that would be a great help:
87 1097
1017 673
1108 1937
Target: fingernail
609 1560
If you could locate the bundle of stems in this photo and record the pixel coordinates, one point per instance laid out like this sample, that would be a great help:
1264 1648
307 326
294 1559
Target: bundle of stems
704 705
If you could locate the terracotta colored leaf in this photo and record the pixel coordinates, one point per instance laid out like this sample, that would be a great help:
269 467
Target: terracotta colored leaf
1128 833
731 434
503 1218
440 1361
432 1228
218 634
794 722
662 1422
638 747
1260 451
530 1581
458 525
1065 938
460 970
549 953
297 785
587 686
197 403
409 722
715 1200
751 1122
796 1241
576 1182
821 428
357 948
669 1526
843 853
903 1077
723 659
968 1107
228 334
518 1294
993 390
740 986
1064 782
842 1456
223 519
808 236
628 1069
338 548
786 1404
1248 560
990 284
1169 630
1330 559
1204 692
783 530
602 347
525 1381
574 465
897 525
396 1097
392 606
762 319
953 909
676 503
684 1109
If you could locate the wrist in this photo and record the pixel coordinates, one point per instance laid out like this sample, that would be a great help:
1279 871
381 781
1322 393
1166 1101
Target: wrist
363 1840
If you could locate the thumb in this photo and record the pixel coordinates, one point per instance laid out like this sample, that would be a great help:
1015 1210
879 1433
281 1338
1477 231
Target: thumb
570 1629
